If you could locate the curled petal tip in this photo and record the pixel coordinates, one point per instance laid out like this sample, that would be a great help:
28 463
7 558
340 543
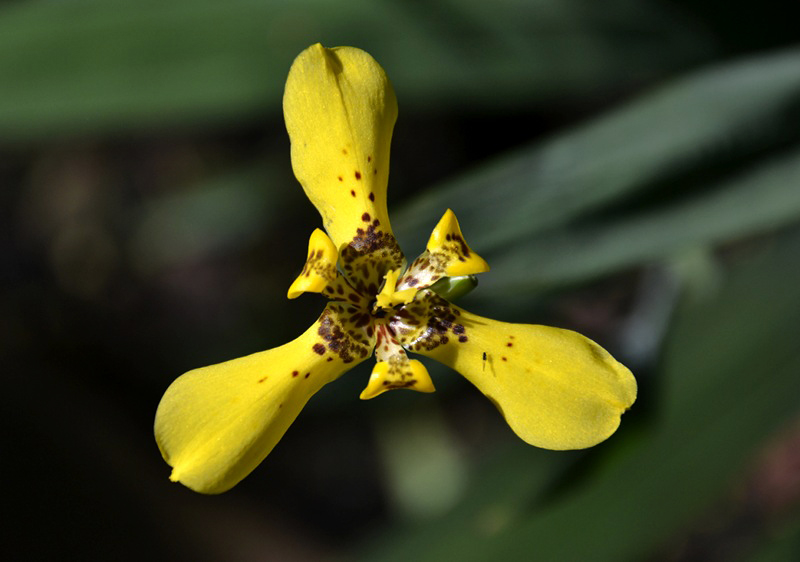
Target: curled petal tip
402 373
448 243
319 270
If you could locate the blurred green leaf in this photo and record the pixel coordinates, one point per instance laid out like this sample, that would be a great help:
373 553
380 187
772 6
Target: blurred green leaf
730 379
711 116
213 216
109 66
759 200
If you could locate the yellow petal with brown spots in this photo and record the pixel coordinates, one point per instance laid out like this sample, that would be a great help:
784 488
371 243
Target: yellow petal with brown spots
214 425
319 270
556 388
446 255
340 110
398 372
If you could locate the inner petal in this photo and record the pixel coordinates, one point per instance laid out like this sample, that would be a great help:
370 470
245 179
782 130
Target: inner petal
446 255
394 369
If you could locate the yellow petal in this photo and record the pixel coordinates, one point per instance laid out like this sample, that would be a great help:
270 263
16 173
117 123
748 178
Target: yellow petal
394 369
446 240
214 425
447 255
388 375
389 296
319 270
556 389
340 110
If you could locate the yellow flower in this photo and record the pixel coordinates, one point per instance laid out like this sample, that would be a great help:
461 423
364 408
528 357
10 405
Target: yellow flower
555 388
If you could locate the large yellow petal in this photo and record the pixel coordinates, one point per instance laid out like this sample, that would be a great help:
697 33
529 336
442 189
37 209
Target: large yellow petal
340 110
556 388
214 425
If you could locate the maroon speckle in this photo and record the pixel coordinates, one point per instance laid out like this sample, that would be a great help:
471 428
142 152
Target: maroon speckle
308 375
509 344
505 358
365 217
358 175
371 196
462 339
458 329
369 158
353 193
330 358
319 348
295 373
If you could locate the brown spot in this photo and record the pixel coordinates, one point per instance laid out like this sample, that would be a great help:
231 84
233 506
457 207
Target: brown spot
308 375
509 344
341 178
371 196
262 379
365 217
353 193
295 373
447 237
319 348
369 158
344 151
462 339
458 329
375 172
330 358
504 358
358 175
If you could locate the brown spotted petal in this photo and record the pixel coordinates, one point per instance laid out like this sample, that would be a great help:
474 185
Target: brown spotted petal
446 255
394 369
556 388
214 425
340 111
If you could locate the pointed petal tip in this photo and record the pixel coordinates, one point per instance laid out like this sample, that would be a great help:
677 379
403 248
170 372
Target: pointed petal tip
415 377
448 241
320 267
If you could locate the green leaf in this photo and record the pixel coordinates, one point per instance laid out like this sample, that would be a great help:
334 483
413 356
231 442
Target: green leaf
708 118
105 66
759 200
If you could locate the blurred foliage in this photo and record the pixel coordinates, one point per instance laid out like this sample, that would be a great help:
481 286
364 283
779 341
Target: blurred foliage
629 169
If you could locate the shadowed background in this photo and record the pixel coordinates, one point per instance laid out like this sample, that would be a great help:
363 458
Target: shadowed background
629 169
